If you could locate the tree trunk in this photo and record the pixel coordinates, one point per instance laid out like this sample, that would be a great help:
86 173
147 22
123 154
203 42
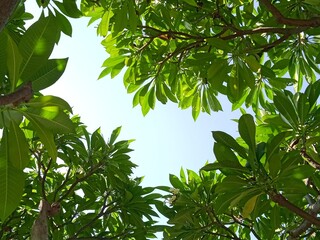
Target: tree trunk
6 9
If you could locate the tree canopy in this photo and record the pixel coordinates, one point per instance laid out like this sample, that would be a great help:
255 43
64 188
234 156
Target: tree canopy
262 55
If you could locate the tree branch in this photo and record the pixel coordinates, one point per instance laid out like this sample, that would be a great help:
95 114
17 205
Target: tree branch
6 9
78 180
312 22
22 94
282 201
305 225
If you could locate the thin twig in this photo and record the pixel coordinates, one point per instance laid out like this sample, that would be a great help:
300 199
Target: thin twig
312 22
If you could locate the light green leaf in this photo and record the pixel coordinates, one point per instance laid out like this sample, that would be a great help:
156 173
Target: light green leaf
249 206
47 101
103 27
196 106
169 93
51 118
152 98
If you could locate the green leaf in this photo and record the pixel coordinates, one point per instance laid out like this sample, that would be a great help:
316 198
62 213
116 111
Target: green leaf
274 144
175 182
19 149
120 20
169 93
227 167
45 135
217 73
36 46
196 106
220 44
267 72
114 135
286 107
249 206
48 74
224 153
3 54
160 93
103 27
303 107
152 98
47 101
247 130
14 60
71 8
253 63
113 61
224 200
64 24
11 187
231 184
296 172
226 139
191 2
133 17
51 118
11 181
213 102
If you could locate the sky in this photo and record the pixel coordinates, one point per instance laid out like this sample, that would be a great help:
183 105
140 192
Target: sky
165 140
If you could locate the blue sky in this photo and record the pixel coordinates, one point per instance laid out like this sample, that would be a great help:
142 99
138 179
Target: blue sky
165 140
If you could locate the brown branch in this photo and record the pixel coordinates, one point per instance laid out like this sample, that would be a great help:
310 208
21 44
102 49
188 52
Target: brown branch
282 201
78 180
62 185
214 219
312 22
270 30
305 225
103 211
21 95
44 177
313 163
6 9
267 47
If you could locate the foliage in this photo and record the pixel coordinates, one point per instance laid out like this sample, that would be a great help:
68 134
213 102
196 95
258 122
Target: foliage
91 181
262 55
190 51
